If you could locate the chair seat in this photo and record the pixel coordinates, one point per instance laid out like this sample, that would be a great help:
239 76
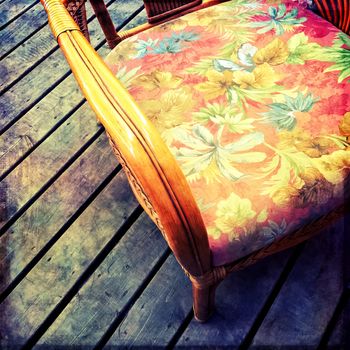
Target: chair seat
253 99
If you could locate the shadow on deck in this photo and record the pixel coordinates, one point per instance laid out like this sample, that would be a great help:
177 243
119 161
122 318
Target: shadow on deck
82 266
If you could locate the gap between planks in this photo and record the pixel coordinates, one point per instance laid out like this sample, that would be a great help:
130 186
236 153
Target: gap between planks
16 13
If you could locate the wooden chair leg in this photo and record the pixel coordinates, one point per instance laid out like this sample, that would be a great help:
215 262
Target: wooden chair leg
203 302
106 23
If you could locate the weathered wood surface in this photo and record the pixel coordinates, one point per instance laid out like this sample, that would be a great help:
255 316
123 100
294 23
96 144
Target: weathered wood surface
158 313
47 114
21 28
39 39
46 217
11 9
72 134
240 298
340 337
164 307
41 44
103 297
72 272
306 303
45 162
46 284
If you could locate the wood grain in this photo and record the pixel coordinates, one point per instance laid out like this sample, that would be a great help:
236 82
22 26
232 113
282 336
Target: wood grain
30 176
17 31
158 313
101 299
239 298
307 300
46 114
42 43
30 303
340 337
11 9
49 214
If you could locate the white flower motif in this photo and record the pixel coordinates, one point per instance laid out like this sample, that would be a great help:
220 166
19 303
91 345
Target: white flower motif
245 54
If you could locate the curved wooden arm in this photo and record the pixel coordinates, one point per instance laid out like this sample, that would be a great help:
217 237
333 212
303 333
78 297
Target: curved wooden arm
154 175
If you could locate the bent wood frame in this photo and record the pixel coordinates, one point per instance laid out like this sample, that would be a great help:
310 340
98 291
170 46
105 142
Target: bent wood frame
153 173
157 12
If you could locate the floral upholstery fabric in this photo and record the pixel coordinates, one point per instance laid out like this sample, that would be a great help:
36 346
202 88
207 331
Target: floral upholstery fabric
253 99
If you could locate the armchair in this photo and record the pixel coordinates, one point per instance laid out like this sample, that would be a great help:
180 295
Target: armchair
231 120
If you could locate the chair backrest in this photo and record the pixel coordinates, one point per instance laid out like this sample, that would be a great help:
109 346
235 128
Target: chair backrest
336 12
159 10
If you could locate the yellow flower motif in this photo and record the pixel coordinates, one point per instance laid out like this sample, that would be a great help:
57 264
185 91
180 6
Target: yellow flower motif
211 173
344 126
213 232
262 76
200 18
217 84
315 190
126 50
292 193
274 53
157 80
233 212
262 217
244 79
334 167
283 196
312 146
169 111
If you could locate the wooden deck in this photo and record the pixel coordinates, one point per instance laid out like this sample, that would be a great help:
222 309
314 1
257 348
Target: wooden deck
83 267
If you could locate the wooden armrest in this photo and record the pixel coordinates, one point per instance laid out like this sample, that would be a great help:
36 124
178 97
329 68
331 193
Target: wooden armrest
153 173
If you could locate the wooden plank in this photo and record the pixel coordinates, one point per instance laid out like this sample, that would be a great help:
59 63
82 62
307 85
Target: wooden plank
33 86
35 297
39 81
109 289
37 123
18 30
239 300
340 338
307 300
47 160
42 43
25 31
159 311
11 9
41 222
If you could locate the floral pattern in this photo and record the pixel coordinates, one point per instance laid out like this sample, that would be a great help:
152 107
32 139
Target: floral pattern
253 99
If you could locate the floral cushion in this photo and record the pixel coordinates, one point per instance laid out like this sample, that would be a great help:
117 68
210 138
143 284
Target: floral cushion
253 99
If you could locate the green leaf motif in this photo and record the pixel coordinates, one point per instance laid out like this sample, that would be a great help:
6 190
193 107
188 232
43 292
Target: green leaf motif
282 116
301 50
204 152
279 20
225 116
339 54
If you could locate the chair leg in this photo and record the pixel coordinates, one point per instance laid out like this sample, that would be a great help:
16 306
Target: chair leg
203 302
106 23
